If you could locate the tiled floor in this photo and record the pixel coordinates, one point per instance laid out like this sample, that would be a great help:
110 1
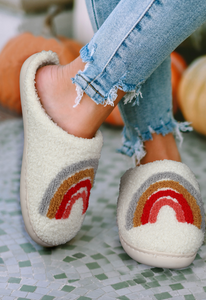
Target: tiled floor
93 265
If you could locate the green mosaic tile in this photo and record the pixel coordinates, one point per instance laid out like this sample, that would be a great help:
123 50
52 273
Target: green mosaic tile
123 298
147 274
104 225
10 200
86 227
198 257
111 206
180 277
163 296
73 280
153 284
145 286
97 256
109 252
2 232
176 286
101 276
86 238
79 255
47 297
14 280
103 200
99 179
118 248
122 273
93 266
161 277
84 298
27 247
1 221
68 247
189 297
68 288
28 288
114 184
68 259
23 298
157 270
97 219
4 249
120 285
1 261
124 256
204 288
23 264
60 276
131 282
187 271
168 273
131 267
15 213
103 171
105 245
3 212
140 280
45 252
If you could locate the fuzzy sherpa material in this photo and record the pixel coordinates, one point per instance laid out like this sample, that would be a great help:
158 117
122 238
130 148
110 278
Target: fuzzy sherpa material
58 168
160 209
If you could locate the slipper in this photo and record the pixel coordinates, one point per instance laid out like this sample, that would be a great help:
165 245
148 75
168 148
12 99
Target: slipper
58 169
160 214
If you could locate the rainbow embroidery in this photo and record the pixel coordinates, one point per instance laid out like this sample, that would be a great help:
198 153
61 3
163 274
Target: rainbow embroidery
163 189
70 185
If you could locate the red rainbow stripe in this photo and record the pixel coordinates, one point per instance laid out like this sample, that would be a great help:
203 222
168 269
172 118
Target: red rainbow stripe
163 202
69 200
184 206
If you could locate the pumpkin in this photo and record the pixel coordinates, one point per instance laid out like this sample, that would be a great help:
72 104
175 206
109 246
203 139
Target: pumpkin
192 94
16 51
115 118
178 65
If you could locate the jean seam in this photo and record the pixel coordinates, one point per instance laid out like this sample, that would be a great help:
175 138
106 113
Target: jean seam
88 84
138 21
94 13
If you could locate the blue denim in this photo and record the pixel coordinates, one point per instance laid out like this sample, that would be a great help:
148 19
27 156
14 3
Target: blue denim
130 51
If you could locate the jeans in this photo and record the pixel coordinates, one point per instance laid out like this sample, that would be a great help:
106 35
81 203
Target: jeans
130 51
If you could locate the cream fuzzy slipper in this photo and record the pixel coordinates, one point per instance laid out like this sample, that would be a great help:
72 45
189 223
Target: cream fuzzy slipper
160 214
58 169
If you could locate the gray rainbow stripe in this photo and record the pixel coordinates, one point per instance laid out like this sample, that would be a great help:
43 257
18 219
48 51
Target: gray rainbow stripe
61 176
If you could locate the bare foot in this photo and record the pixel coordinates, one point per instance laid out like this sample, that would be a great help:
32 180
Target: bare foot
161 147
57 94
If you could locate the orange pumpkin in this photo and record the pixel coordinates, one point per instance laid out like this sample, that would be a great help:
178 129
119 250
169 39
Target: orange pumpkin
178 65
115 118
192 94
16 51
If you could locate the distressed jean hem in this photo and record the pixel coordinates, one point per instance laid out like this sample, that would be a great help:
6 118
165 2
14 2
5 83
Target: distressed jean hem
84 84
135 147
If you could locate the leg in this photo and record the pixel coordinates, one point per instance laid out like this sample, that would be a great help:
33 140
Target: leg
139 29
151 121
159 146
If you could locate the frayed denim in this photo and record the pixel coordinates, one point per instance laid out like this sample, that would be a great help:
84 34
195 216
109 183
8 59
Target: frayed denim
130 51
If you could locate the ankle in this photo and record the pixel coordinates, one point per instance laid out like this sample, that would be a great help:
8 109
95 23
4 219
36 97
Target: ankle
57 94
160 148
